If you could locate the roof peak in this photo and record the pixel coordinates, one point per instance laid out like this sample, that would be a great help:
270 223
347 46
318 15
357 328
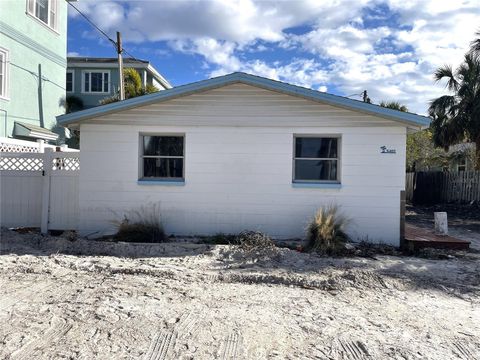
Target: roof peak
408 119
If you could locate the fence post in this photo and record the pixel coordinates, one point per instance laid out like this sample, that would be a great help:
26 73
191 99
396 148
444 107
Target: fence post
41 145
47 172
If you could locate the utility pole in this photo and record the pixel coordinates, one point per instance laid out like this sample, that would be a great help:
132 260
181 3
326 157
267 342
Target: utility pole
120 66
365 97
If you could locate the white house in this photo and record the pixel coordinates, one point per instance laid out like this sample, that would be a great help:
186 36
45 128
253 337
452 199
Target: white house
243 152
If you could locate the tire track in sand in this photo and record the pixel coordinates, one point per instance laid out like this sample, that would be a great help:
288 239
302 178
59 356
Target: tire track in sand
55 332
161 346
464 352
230 348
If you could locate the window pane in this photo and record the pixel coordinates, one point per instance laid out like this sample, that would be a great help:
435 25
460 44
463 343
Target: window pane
163 168
163 145
41 10
96 79
69 86
316 170
310 147
87 82
31 6
53 15
105 82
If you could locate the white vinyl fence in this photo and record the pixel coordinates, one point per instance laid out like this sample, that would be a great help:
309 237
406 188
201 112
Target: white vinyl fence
39 190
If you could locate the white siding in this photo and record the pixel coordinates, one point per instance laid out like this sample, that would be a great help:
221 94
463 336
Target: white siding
238 166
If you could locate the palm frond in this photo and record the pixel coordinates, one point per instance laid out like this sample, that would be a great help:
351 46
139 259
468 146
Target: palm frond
442 105
446 131
475 44
395 105
447 72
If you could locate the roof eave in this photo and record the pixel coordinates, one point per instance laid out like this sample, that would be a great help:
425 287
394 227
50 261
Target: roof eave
409 119
159 77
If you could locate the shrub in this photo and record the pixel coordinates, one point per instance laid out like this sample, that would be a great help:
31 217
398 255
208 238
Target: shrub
142 225
326 232
250 241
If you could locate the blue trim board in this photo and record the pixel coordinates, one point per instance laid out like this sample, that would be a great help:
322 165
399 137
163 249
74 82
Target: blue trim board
307 185
238 77
161 182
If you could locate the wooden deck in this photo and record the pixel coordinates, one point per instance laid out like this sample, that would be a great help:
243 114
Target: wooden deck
419 238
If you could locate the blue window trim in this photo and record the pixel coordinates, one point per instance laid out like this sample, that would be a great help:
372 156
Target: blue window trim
316 185
161 182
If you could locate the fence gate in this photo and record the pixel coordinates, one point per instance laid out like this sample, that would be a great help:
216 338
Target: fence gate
39 190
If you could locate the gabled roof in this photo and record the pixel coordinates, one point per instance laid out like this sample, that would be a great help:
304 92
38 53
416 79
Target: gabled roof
409 119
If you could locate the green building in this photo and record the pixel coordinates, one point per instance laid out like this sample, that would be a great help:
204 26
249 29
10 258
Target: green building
33 46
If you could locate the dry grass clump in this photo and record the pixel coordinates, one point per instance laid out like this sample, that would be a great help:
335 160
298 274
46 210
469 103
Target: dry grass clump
326 231
141 225
254 241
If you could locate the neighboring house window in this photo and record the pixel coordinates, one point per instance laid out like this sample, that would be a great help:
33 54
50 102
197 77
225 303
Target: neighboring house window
3 72
462 165
316 159
96 81
69 87
163 157
44 10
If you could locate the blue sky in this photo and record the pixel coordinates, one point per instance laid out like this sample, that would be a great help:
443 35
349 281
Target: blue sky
390 48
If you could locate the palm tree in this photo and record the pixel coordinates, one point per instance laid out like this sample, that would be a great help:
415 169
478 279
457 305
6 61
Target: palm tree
133 87
475 46
395 105
456 117
71 103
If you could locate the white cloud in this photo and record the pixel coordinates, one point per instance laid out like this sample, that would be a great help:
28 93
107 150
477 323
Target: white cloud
336 49
231 20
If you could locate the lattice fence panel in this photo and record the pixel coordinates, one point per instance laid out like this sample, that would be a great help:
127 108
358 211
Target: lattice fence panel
66 164
5 147
21 163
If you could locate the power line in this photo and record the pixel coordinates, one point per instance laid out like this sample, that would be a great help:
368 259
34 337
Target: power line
92 23
34 74
131 56
100 30
361 94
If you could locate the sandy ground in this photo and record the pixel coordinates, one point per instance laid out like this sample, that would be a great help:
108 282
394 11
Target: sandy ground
194 301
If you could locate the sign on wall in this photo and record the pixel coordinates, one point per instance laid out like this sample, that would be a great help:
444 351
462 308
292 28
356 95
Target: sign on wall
385 150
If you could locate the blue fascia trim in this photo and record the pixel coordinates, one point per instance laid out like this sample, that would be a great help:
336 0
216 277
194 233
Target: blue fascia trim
339 100
412 119
161 182
317 185
32 44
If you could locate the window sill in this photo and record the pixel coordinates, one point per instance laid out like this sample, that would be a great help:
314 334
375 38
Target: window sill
95 93
42 23
317 185
161 182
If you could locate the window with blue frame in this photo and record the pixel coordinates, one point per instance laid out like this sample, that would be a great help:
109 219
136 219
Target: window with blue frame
163 157
316 159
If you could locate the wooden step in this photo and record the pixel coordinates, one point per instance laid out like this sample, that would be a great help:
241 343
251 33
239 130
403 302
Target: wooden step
419 238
